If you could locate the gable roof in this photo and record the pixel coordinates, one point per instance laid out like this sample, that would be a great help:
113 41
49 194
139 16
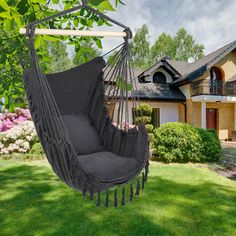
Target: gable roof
160 92
197 68
185 72
163 62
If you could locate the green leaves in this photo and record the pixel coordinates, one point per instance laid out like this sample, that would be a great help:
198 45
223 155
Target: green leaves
18 13
98 43
102 5
4 5
105 6
96 2
122 84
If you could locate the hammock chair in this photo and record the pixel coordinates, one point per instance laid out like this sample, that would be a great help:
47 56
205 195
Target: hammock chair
81 116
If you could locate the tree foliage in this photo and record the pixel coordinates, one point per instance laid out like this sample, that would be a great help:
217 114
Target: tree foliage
140 48
179 47
15 14
86 51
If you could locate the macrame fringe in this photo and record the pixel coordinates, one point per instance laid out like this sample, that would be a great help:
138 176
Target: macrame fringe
115 198
107 198
131 192
146 170
143 180
91 194
99 199
84 192
123 197
137 188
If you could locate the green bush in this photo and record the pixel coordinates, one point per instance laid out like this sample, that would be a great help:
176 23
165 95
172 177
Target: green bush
144 109
211 144
178 142
149 128
144 119
37 149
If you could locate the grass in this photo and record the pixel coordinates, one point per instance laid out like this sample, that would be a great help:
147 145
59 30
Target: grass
179 199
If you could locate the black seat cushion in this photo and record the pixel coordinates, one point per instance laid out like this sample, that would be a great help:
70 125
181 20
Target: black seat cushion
106 166
83 135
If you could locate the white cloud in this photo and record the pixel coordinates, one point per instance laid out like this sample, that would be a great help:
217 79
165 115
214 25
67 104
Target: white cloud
212 22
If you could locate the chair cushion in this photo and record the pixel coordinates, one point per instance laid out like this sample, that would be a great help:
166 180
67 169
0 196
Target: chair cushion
83 134
106 166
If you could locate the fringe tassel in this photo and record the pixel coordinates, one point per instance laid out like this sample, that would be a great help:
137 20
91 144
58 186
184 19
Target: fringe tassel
143 180
99 199
84 192
123 196
115 198
107 198
137 188
91 194
131 193
146 170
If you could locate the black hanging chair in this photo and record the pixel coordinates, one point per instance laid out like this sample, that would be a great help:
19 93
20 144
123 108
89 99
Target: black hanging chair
74 113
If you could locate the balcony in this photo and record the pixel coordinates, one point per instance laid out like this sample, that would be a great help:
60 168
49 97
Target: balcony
216 88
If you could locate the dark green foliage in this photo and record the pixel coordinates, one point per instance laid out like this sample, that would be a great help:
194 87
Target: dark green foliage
178 142
149 128
144 109
144 119
85 51
211 145
143 113
16 14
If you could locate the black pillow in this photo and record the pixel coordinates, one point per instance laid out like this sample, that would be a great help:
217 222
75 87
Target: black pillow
83 134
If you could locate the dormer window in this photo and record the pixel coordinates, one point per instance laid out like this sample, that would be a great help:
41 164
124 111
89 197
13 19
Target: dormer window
159 78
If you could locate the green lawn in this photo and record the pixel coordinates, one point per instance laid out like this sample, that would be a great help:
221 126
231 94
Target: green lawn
179 199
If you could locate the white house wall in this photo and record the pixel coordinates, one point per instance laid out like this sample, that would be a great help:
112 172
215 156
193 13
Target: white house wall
169 112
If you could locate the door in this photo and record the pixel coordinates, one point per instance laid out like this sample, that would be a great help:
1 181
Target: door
211 115
156 117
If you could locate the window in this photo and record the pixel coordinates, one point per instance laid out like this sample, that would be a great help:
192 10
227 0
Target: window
156 117
216 76
159 78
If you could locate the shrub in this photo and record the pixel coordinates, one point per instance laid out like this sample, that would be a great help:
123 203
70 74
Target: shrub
211 144
144 109
149 128
144 119
9 120
18 139
178 142
37 149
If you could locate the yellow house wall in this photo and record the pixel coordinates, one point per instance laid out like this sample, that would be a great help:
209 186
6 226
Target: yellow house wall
225 116
196 120
228 64
181 113
225 119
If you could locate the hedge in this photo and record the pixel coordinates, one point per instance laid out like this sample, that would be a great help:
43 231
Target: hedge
179 142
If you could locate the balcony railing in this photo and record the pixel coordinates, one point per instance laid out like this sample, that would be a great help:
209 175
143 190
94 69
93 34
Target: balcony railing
216 88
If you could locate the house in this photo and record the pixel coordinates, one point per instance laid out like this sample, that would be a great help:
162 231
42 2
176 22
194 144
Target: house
201 93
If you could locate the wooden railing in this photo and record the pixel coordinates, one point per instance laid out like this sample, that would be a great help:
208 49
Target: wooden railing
216 88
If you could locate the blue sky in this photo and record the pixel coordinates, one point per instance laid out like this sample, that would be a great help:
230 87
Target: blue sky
211 22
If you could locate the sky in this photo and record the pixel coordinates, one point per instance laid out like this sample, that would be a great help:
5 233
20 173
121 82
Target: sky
211 22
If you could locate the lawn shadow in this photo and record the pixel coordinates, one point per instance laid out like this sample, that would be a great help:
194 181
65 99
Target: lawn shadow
34 202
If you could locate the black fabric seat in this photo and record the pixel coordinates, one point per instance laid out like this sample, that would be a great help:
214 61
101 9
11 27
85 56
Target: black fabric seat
71 116
82 133
107 166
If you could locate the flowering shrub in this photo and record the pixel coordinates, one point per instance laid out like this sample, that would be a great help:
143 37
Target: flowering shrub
18 139
9 120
